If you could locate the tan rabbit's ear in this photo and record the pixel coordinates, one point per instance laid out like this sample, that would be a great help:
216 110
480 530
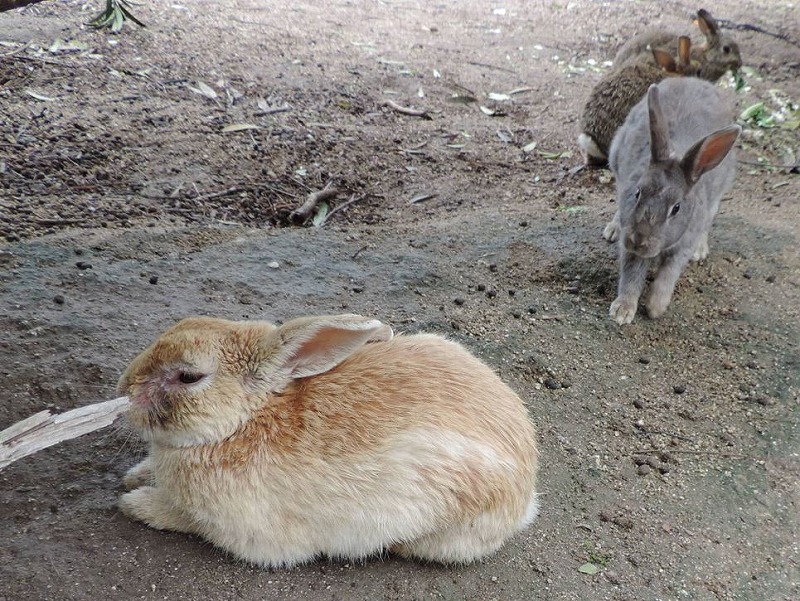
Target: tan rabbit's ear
708 152
308 346
708 26
660 147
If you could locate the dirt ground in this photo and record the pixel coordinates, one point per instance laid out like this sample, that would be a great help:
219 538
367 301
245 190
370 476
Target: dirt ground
670 448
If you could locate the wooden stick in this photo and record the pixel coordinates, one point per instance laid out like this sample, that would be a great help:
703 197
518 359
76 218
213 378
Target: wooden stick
338 208
43 430
407 111
301 213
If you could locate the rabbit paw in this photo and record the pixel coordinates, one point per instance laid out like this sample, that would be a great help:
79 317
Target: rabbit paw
622 310
150 505
140 474
701 250
611 231
656 304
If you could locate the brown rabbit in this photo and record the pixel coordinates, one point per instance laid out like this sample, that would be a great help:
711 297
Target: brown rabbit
618 91
327 435
719 54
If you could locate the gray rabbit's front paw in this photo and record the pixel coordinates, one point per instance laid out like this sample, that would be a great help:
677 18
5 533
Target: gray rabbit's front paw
611 231
701 250
623 310
657 304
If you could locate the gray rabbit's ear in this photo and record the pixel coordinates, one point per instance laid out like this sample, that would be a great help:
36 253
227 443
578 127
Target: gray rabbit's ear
313 345
708 26
708 152
660 149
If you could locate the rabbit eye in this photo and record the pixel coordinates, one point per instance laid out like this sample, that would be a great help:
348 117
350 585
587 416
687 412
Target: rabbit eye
675 208
726 49
186 377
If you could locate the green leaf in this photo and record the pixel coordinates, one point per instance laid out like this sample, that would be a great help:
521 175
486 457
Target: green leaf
551 156
321 215
588 568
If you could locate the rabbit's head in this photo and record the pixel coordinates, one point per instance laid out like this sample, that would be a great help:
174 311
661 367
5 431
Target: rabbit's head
203 378
661 206
720 53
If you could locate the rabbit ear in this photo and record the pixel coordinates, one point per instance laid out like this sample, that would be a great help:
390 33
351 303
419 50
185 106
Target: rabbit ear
660 149
664 60
708 26
708 152
312 345
684 52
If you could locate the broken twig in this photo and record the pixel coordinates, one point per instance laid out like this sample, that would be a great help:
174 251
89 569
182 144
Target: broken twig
43 430
344 205
301 213
406 110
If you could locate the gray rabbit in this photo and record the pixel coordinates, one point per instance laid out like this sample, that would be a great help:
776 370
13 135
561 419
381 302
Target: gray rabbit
673 162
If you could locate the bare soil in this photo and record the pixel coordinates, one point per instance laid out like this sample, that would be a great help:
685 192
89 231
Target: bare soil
670 448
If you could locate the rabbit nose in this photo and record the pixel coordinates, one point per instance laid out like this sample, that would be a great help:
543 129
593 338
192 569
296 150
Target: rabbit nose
638 243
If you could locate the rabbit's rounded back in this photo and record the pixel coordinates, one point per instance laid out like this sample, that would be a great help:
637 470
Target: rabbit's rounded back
615 95
719 54
328 435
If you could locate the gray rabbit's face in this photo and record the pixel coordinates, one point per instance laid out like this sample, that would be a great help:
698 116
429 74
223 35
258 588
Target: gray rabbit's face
658 213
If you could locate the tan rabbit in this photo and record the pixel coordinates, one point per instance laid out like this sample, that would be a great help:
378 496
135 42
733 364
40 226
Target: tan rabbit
616 94
327 435
719 54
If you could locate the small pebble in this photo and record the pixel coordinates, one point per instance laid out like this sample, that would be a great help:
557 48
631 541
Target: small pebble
523 224
770 278
494 578
644 360
493 267
643 470
459 301
552 384
153 279
663 468
511 292
638 403
358 289
516 314
83 265
491 293
481 287
532 309
679 389
58 299
273 265
752 365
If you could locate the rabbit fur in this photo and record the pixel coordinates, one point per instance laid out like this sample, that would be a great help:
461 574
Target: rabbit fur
718 55
617 92
327 435
673 162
